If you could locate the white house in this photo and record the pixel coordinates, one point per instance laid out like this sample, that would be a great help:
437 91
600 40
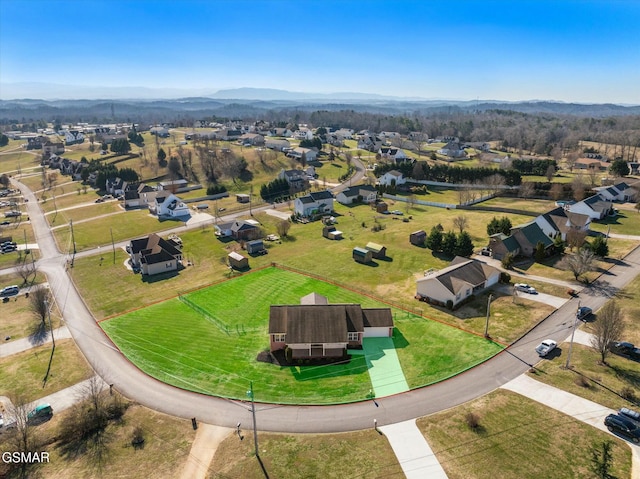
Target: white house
452 150
393 177
457 282
366 193
560 221
303 134
618 192
159 131
313 204
595 207
153 255
73 137
390 153
168 204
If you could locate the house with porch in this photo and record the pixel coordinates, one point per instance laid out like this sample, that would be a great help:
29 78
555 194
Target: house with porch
316 329
360 193
314 204
457 282
619 192
453 150
153 255
166 204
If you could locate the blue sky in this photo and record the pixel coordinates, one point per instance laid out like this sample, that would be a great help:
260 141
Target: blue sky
585 51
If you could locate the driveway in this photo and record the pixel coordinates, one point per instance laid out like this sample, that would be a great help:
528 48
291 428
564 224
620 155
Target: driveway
544 298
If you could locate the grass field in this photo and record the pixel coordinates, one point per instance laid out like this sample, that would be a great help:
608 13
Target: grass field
625 222
517 439
177 345
304 456
603 384
532 205
22 374
18 321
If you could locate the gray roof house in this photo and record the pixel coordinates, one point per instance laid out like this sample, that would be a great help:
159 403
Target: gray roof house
457 282
314 204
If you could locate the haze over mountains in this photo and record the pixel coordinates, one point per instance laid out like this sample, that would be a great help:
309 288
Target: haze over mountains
44 100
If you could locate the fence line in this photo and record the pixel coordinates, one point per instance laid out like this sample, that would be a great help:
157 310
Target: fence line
199 309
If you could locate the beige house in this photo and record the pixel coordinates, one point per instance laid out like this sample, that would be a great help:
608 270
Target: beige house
154 255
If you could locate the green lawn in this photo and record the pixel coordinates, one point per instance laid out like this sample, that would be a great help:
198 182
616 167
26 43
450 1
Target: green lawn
625 223
516 439
131 224
63 217
172 342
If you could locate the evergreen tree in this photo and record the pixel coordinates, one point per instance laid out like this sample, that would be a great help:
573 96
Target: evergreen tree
619 168
464 245
539 254
449 243
600 247
434 240
4 140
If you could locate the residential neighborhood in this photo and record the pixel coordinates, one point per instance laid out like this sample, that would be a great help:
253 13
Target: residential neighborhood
284 260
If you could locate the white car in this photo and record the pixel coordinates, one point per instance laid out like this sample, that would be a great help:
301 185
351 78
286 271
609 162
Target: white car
545 347
525 287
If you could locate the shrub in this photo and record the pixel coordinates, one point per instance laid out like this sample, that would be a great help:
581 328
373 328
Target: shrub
137 437
507 261
582 381
629 394
473 420
449 304
505 278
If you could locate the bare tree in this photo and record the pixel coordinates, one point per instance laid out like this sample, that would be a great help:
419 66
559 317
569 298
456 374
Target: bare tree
527 190
460 222
23 437
578 188
556 191
283 228
411 202
575 238
25 270
608 328
551 172
580 262
38 303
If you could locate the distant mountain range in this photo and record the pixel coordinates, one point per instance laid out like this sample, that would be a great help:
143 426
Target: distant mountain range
44 100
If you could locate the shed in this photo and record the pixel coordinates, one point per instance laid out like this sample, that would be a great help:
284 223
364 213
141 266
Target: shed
237 261
418 237
242 198
381 207
255 247
377 250
362 255
331 232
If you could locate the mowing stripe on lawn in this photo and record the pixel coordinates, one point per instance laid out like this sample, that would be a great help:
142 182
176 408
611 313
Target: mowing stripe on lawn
384 367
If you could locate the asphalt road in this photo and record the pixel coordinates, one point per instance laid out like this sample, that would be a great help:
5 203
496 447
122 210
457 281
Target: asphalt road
115 369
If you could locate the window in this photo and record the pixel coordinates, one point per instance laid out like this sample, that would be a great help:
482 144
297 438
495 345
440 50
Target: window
468 292
352 336
279 338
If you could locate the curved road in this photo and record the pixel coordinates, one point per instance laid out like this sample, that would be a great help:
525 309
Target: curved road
109 363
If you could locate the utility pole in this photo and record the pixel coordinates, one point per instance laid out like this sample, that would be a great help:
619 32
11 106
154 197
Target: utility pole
253 412
575 321
73 240
486 324
250 195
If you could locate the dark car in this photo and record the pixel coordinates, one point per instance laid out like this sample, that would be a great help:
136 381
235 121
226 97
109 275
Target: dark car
630 414
623 426
621 347
583 312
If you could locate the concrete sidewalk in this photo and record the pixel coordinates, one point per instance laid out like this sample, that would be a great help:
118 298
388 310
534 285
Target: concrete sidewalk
579 408
204 447
413 451
24 344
